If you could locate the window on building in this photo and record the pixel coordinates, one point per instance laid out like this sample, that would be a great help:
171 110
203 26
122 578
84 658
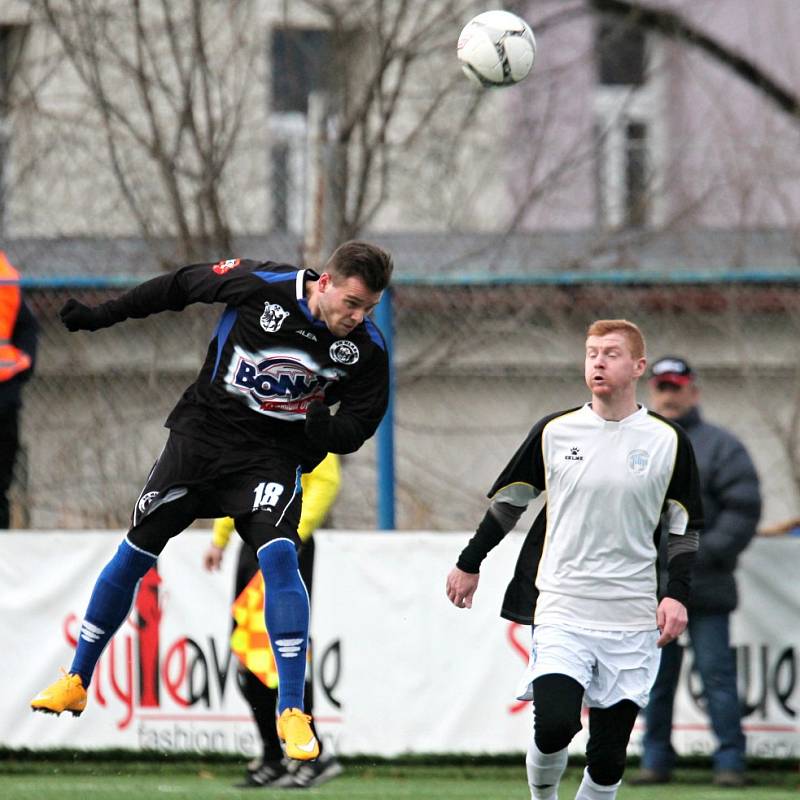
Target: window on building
301 61
300 66
620 53
281 187
636 179
626 109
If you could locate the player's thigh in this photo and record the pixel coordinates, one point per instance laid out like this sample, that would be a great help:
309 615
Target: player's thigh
556 711
258 529
153 530
627 664
179 470
564 651
171 498
265 505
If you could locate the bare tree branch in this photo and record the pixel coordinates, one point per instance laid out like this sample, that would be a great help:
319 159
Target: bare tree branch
674 25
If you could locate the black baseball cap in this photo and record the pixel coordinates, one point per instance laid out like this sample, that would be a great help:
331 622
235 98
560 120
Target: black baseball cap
672 369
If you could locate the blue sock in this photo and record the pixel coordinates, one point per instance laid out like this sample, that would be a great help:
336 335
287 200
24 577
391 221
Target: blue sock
109 605
286 615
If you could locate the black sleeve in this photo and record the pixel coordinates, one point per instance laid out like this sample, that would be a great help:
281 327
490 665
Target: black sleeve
361 407
26 335
684 487
488 535
524 476
684 509
197 283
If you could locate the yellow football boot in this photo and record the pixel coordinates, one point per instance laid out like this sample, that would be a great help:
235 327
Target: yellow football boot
294 729
66 694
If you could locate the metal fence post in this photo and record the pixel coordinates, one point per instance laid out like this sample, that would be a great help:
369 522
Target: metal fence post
385 434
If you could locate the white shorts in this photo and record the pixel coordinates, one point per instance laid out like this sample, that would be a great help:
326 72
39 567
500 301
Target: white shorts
610 665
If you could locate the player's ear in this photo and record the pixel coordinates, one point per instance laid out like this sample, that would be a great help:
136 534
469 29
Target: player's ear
324 281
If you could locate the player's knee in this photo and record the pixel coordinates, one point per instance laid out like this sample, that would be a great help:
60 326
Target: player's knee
259 530
606 769
554 732
278 561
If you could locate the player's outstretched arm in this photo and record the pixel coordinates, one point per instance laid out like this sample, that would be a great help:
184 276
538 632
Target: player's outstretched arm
671 619
79 317
461 586
197 283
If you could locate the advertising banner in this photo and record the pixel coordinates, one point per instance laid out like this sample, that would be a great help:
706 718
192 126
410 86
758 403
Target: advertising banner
397 669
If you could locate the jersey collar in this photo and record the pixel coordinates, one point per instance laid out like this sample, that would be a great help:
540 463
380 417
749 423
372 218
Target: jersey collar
300 292
611 423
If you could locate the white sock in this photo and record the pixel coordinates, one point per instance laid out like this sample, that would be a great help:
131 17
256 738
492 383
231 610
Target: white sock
589 790
544 771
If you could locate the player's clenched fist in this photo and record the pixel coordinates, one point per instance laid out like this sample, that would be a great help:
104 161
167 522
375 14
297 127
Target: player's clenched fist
318 421
79 317
671 618
461 586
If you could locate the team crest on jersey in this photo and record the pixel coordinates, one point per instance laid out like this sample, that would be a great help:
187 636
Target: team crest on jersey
273 317
146 499
226 266
638 461
344 351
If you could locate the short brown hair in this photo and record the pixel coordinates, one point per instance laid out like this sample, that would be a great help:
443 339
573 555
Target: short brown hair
629 330
363 260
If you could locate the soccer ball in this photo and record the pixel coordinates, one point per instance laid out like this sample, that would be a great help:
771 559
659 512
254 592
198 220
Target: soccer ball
496 48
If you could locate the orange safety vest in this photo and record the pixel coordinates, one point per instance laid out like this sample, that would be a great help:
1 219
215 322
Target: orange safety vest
12 359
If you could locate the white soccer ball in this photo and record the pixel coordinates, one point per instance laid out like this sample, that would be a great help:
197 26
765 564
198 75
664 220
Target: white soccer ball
496 48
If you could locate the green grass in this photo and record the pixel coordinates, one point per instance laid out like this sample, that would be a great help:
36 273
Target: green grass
113 780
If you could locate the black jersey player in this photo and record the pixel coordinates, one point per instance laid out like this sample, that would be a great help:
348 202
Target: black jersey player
290 344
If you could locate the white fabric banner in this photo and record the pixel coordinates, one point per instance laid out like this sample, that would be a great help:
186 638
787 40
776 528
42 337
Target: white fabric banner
397 668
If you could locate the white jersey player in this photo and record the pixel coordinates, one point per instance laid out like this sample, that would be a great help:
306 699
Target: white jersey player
617 477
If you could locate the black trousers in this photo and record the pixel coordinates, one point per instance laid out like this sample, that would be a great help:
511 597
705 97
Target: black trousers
263 700
9 445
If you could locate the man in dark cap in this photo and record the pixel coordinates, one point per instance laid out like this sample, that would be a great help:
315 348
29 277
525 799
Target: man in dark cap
732 506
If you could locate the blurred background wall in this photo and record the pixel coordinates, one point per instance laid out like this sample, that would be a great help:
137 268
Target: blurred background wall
646 169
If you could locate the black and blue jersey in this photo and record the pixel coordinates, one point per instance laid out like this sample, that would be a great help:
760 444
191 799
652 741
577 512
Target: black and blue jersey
268 359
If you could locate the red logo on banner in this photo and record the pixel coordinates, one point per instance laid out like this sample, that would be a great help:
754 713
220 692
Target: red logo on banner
185 671
512 633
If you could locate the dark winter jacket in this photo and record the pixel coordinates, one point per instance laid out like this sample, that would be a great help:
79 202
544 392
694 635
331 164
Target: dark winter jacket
731 506
25 338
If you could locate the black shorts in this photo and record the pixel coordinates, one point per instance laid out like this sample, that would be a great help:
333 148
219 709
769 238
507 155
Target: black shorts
196 480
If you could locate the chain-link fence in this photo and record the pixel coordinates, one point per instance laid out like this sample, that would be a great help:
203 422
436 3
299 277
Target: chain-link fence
476 365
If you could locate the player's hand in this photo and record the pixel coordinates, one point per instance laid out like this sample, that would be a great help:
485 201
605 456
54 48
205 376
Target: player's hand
79 317
318 420
671 619
461 586
212 558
